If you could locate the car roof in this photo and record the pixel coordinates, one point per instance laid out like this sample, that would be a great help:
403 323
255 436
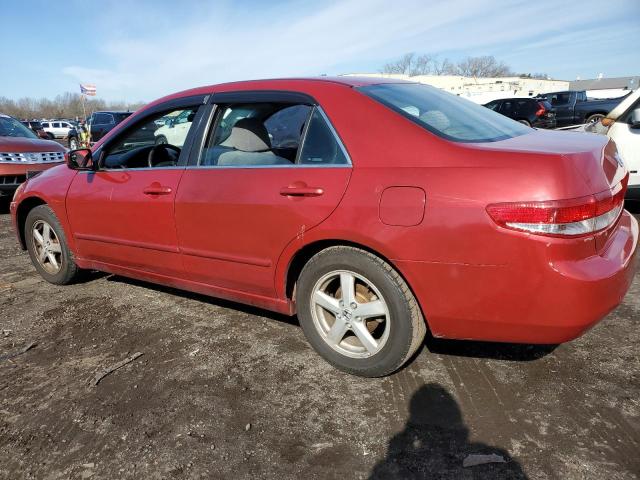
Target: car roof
295 83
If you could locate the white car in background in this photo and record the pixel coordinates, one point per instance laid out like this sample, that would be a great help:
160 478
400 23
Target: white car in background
174 131
622 125
56 128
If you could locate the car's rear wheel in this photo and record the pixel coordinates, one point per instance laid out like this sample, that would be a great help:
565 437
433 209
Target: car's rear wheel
357 312
524 122
47 246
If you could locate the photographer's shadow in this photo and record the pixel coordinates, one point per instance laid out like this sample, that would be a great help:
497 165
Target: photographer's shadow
435 441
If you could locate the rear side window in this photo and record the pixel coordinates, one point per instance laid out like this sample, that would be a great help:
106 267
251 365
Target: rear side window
443 114
321 146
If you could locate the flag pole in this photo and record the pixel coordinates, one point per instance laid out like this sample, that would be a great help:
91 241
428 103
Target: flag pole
84 111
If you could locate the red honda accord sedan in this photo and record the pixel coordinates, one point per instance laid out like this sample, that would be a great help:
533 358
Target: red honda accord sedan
373 209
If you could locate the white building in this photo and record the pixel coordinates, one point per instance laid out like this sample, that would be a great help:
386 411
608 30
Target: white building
483 90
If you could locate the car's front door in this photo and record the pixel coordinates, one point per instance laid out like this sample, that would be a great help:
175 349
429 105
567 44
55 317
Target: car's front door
268 172
123 214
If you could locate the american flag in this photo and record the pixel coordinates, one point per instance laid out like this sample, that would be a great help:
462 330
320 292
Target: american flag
87 89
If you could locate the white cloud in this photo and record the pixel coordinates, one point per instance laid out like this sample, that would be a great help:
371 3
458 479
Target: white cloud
155 51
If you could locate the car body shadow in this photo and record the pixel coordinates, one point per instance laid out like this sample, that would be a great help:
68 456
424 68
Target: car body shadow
435 442
465 348
219 302
517 352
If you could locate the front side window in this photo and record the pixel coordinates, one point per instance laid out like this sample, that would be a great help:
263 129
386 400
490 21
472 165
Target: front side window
154 142
271 134
443 114
10 127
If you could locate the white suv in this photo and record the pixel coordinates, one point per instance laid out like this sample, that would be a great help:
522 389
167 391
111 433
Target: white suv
622 125
57 128
175 129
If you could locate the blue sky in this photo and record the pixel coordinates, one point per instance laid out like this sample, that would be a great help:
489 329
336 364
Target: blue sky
140 50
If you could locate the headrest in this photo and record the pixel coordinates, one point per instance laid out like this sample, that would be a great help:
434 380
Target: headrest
248 135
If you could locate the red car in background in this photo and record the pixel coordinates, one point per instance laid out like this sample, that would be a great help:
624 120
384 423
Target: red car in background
21 151
374 209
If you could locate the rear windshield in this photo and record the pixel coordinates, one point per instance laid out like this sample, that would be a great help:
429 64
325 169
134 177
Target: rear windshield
445 115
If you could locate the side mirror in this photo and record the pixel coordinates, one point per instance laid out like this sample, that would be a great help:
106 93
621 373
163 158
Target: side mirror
634 120
80 159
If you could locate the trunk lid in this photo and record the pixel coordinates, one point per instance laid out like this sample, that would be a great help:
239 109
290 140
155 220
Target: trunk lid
591 158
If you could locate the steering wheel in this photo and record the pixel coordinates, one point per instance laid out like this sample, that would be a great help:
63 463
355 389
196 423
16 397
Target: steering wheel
154 153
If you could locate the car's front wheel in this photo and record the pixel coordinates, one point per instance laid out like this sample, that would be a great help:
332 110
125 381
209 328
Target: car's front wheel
47 246
357 312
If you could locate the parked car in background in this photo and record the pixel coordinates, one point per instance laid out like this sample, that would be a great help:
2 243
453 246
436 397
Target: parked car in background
21 151
36 127
573 107
100 123
378 209
173 131
528 111
622 125
57 128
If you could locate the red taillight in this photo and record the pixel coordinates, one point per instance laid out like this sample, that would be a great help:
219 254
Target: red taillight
541 110
574 217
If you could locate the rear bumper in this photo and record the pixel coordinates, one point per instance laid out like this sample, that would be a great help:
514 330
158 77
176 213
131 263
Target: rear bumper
545 302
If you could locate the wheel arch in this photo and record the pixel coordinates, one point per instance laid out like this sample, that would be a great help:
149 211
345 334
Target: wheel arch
24 207
596 112
304 254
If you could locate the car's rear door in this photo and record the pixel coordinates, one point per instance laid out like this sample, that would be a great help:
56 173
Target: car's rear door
123 214
234 217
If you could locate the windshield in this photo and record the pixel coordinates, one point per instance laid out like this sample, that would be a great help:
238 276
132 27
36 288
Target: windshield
10 127
445 115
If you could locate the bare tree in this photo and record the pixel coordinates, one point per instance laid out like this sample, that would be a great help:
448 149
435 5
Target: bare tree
67 105
485 66
427 64
445 67
422 65
402 66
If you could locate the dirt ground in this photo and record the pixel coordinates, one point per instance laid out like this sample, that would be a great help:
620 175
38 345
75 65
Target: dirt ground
226 391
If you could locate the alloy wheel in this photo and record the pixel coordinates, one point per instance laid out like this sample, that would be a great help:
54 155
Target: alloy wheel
350 314
46 246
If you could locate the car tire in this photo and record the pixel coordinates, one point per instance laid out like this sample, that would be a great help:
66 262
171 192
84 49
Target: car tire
595 118
161 140
524 122
337 333
49 250
50 136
